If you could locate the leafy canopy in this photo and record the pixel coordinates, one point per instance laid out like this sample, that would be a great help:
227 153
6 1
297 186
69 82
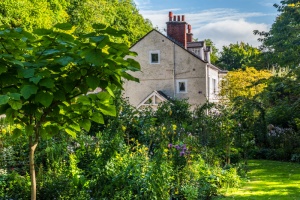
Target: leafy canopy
245 83
237 56
46 76
282 43
118 14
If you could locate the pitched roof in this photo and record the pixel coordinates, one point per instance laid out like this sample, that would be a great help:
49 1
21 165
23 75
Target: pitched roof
178 44
154 99
172 40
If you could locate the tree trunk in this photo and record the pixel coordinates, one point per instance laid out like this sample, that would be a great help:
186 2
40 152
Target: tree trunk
32 147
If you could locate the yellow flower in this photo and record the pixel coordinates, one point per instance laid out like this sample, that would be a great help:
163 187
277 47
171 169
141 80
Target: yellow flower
174 127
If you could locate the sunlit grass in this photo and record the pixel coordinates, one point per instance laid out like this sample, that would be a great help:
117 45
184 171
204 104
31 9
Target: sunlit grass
269 180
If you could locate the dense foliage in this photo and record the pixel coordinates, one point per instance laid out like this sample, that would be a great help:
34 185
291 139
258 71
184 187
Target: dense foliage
120 15
244 83
170 153
281 43
237 56
46 77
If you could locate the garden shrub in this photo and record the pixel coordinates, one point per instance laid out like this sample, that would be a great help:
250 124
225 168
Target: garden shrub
168 154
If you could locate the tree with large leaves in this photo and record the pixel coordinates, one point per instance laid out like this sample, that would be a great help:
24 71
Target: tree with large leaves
46 76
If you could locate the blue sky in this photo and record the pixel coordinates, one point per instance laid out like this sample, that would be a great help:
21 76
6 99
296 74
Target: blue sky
222 21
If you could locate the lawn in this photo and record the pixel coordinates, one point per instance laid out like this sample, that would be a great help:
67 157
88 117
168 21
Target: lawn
269 180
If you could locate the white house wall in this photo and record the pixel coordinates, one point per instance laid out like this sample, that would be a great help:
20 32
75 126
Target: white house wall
161 76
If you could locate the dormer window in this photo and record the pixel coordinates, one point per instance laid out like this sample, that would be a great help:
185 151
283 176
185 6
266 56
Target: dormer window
154 57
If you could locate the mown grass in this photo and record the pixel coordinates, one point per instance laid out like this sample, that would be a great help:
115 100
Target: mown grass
269 180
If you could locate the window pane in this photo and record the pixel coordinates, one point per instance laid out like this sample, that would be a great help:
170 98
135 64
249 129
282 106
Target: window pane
182 86
154 57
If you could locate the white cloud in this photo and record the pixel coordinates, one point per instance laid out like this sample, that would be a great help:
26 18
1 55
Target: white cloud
222 26
269 3
142 3
226 32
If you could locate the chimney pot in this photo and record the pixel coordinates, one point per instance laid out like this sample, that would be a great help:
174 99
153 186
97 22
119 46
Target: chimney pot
170 16
189 28
178 18
182 18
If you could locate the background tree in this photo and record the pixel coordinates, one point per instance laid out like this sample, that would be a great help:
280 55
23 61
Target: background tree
45 80
281 43
120 15
236 56
245 83
214 51
282 100
31 14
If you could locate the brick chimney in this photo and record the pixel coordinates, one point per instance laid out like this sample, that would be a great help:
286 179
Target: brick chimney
177 29
189 35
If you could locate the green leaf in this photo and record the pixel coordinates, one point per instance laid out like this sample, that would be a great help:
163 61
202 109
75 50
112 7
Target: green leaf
44 98
93 82
108 109
84 100
26 73
97 117
16 105
75 126
94 56
109 90
98 38
53 130
3 99
104 96
29 129
50 52
129 77
10 115
70 132
133 65
17 62
101 40
28 90
85 124
64 26
83 72
42 31
64 61
35 79
17 133
15 96
47 82
99 26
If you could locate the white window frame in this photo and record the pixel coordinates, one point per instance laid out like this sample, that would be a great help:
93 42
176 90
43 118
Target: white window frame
214 85
178 86
150 57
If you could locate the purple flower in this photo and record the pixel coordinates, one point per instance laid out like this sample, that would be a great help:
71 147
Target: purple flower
170 145
177 147
181 153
